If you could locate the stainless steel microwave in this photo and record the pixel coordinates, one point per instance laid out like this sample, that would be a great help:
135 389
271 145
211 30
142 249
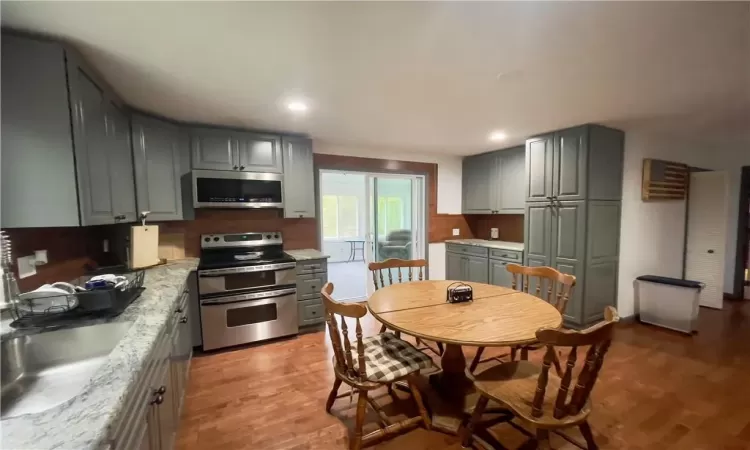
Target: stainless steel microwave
226 189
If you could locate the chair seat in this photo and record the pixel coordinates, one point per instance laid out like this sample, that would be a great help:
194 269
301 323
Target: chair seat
514 385
389 358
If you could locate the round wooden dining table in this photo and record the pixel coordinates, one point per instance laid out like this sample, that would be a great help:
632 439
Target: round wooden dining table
497 317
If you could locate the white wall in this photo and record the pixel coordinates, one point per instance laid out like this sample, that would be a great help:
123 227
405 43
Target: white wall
448 186
652 233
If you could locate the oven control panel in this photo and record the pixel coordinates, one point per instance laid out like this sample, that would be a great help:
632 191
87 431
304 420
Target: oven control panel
241 239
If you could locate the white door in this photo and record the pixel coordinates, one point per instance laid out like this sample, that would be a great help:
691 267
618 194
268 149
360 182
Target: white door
708 207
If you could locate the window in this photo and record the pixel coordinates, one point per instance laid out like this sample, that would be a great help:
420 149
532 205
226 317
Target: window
390 215
340 216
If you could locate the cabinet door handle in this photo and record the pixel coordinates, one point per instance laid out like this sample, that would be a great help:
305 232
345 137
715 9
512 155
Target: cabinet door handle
158 400
178 310
183 320
161 391
236 167
242 167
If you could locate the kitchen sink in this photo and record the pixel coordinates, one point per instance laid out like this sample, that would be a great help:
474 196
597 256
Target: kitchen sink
44 370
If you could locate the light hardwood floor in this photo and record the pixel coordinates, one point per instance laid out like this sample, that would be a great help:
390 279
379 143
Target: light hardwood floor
657 390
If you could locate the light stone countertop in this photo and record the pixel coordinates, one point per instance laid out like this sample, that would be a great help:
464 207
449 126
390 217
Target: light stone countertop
503 245
83 422
306 254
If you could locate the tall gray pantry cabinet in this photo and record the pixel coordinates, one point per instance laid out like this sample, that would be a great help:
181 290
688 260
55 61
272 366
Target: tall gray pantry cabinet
573 201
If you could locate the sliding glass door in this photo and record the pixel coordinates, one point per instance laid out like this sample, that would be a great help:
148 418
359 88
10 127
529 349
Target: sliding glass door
366 217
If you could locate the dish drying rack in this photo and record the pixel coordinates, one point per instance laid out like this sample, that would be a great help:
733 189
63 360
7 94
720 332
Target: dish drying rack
73 307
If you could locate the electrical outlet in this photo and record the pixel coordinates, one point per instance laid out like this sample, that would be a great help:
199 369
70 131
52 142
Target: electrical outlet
456 232
26 266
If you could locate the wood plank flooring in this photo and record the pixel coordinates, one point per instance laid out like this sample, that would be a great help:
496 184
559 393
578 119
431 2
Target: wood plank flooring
657 390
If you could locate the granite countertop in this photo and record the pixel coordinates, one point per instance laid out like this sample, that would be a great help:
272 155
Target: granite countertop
306 254
83 422
504 245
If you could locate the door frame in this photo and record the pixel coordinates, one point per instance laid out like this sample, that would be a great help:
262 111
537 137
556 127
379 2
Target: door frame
351 164
743 236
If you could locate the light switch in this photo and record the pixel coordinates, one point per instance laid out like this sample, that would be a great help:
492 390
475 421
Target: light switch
456 232
26 266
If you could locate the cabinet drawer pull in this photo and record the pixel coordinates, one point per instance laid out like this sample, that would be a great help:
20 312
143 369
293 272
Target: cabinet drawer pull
236 167
242 167
178 310
158 400
161 390
183 320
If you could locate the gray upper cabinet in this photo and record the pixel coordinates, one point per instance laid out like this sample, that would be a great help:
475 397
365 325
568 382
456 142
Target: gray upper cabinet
90 141
569 167
299 179
62 129
122 178
477 171
493 183
224 149
157 168
574 191
36 137
511 196
213 149
539 157
259 152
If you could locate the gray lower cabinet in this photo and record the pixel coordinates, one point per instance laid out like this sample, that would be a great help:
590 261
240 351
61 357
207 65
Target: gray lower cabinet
477 269
574 192
150 416
312 274
499 275
299 179
156 155
493 183
462 263
454 266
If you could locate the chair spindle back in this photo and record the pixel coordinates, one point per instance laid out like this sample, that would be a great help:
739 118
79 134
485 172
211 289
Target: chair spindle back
377 269
342 347
559 286
599 338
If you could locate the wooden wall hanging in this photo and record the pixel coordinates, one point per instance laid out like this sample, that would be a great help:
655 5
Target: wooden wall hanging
664 180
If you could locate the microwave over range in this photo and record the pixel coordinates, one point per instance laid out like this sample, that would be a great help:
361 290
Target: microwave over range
224 189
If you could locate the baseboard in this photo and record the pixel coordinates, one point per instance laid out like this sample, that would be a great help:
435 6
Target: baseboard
728 296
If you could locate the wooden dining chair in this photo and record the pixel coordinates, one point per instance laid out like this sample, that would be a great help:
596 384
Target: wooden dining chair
376 361
551 285
527 390
378 268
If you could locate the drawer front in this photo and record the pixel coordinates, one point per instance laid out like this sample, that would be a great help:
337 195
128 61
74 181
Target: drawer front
310 284
508 255
312 266
311 312
467 249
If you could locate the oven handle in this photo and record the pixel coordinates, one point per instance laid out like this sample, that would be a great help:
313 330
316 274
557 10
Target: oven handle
245 269
248 297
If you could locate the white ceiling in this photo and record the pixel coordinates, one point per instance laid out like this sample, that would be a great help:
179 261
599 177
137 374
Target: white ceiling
425 76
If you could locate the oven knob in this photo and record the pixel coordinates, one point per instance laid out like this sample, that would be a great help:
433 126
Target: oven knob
216 239
268 236
207 239
276 235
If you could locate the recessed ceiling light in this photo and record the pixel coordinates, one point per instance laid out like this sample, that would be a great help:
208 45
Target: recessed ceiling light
297 106
497 136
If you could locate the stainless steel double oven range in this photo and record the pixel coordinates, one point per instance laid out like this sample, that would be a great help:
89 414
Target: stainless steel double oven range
247 289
